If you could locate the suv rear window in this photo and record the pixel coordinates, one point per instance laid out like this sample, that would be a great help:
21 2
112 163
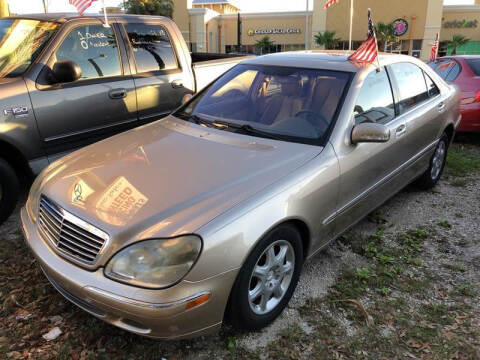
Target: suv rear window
474 65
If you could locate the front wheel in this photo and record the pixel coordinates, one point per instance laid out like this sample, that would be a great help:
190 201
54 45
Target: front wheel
9 190
437 163
267 279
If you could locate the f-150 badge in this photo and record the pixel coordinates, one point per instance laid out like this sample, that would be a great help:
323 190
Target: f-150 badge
16 111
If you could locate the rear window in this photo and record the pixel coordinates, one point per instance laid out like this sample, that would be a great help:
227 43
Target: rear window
448 69
474 65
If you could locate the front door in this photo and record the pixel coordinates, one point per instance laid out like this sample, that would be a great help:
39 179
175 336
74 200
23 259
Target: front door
101 103
368 168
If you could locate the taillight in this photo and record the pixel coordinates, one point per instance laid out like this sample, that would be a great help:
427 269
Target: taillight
477 97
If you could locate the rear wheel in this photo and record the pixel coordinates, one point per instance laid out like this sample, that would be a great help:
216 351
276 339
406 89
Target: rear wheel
437 163
9 190
267 280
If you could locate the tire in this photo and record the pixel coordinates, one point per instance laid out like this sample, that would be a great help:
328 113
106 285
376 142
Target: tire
247 312
437 163
9 190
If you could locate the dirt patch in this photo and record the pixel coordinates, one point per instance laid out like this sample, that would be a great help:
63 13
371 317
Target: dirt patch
403 283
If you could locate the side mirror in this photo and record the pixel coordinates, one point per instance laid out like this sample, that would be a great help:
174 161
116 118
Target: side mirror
65 71
370 132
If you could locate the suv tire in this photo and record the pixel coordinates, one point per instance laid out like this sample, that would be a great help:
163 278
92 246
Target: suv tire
9 190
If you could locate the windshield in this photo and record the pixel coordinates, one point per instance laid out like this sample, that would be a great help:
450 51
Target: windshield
21 40
279 102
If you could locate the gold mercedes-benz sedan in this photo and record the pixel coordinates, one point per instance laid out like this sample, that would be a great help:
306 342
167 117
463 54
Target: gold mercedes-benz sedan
209 214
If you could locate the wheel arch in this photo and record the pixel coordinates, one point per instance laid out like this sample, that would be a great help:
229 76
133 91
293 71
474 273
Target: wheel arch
450 131
15 158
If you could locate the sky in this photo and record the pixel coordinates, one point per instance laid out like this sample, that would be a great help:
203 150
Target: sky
32 6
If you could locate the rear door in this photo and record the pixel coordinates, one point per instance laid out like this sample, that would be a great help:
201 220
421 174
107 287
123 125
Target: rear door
160 81
421 108
102 102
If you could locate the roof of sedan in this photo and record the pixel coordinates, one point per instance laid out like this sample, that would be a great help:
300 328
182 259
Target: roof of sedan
62 17
324 59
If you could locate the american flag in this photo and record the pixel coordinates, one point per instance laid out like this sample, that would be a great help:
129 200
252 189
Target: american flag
434 52
329 3
81 5
368 51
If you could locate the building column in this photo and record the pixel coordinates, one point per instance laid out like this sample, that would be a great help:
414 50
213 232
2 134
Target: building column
319 23
433 25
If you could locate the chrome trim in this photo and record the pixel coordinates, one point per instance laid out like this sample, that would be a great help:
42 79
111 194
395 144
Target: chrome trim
62 216
380 182
143 303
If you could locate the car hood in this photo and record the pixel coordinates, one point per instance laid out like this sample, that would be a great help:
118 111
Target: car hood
168 178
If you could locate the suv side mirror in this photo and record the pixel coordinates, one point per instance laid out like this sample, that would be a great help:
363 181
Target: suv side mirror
65 71
370 132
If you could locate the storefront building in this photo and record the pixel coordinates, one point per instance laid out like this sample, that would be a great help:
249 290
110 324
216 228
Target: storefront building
221 26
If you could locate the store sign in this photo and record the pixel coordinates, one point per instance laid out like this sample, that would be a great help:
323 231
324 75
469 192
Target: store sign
252 32
400 27
458 24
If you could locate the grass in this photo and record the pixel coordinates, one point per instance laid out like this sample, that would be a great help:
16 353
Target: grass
461 162
377 301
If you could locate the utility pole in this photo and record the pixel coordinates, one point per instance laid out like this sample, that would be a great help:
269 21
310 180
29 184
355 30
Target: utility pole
307 31
4 11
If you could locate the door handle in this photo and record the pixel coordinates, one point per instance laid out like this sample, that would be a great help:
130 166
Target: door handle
117 93
441 106
177 84
402 129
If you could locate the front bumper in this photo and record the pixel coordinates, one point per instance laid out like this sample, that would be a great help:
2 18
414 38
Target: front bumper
153 313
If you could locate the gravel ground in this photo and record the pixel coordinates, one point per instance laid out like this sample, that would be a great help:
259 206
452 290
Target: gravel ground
455 206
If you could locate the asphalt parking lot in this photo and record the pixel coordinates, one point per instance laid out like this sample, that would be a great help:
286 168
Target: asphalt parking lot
404 283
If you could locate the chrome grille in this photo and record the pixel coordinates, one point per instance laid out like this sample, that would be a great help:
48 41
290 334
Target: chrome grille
70 235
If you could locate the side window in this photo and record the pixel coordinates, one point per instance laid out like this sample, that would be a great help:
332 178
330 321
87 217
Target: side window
94 49
375 102
432 88
152 48
412 89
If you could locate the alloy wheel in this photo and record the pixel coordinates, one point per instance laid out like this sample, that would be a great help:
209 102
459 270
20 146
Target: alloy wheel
271 277
438 160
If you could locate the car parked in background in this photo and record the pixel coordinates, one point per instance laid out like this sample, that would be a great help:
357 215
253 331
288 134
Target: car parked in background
68 81
463 71
211 212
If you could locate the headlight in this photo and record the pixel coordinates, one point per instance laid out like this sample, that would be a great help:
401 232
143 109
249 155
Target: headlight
155 263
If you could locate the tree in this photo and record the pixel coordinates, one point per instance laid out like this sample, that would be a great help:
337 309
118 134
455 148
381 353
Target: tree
456 42
328 39
264 45
386 34
149 7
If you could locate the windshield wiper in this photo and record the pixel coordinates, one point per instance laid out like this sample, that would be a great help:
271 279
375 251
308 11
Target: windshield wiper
248 129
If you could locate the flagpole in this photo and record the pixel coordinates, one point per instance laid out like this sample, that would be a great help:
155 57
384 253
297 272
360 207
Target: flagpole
306 26
351 23
105 14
